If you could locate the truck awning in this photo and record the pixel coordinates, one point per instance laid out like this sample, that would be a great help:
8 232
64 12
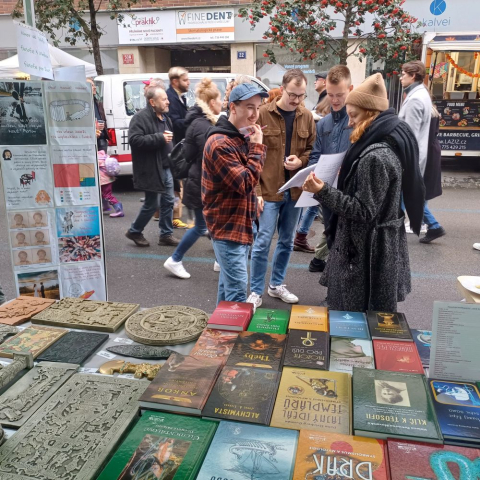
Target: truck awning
455 43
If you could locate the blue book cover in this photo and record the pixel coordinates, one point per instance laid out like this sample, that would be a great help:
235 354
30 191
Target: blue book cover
348 324
457 405
423 341
250 452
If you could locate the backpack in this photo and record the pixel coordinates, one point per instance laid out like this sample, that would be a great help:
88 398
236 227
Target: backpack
179 165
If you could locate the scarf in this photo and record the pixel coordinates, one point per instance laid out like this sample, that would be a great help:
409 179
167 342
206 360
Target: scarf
387 124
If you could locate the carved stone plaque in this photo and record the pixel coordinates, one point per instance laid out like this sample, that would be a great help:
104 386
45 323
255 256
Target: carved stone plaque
71 436
166 325
10 371
86 314
6 331
74 347
27 395
139 370
32 340
146 352
22 309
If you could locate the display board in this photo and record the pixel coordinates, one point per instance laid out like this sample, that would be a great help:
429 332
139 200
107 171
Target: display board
51 186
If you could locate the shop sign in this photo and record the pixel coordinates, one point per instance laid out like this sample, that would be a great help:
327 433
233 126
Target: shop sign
205 25
128 58
143 28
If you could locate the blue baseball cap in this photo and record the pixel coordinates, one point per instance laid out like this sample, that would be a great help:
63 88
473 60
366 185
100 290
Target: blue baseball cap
244 91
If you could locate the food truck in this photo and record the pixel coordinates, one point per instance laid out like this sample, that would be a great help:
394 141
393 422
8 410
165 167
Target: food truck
453 80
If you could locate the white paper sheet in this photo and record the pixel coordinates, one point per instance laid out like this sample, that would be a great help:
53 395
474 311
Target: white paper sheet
298 179
306 200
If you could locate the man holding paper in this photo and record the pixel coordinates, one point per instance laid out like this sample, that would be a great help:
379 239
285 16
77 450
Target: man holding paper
289 136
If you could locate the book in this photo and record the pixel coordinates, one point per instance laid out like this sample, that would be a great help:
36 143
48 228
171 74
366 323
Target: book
423 341
243 394
214 344
234 316
255 349
393 405
304 317
269 321
455 332
306 349
313 400
348 324
241 451
336 456
182 385
457 405
397 356
421 461
388 326
161 445
346 353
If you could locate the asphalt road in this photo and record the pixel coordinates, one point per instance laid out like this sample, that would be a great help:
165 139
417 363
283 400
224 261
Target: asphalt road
137 274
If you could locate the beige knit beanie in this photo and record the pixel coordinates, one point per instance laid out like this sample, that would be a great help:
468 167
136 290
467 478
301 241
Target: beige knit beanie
370 95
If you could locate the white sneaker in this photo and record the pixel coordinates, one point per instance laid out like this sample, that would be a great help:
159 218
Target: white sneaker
216 266
256 299
176 268
476 246
282 293
422 230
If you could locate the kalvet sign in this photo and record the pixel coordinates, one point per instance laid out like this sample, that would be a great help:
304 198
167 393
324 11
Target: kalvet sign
205 25
143 28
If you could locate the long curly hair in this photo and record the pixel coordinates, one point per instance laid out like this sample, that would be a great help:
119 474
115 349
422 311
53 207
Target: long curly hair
359 130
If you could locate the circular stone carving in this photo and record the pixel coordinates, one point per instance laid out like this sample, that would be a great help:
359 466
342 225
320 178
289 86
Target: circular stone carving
166 325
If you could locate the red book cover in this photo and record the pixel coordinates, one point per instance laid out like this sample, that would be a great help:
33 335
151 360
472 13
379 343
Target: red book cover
424 461
397 356
231 316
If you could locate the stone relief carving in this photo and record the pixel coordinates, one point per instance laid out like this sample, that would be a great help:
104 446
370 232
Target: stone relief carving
146 352
29 393
7 331
9 372
72 434
166 325
22 309
139 370
86 314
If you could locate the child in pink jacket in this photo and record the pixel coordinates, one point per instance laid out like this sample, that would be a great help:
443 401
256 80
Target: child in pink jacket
106 182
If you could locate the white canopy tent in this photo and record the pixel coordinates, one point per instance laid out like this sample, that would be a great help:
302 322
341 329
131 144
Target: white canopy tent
9 68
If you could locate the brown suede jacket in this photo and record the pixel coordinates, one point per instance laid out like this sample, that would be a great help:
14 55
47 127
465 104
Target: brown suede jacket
303 139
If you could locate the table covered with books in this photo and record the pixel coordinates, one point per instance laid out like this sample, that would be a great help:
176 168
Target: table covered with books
108 390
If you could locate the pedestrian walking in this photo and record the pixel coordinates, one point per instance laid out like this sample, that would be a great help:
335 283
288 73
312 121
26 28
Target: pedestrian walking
368 266
100 119
233 160
333 136
416 110
42 289
106 187
198 121
289 135
151 140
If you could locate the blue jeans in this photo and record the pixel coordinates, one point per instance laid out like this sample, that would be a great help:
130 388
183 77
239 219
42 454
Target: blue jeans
429 219
233 279
307 219
191 235
284 217
151 205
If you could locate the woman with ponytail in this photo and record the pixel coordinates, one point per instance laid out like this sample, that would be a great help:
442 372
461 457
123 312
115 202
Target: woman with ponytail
199 119
368 267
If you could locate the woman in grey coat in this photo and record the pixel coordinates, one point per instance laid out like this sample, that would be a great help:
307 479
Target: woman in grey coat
368 267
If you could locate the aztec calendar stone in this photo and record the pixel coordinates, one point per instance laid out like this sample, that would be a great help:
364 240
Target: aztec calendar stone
166 325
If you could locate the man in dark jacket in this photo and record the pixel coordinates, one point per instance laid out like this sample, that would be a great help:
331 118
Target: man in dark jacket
179 85
321 85
151 140
102 137
231 170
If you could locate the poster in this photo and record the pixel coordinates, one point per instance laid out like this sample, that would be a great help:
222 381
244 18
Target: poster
33 52
27 177
75 175
40 283
78 233
69 112
22 119
84 280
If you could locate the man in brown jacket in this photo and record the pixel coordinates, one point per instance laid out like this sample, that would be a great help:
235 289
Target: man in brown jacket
289 135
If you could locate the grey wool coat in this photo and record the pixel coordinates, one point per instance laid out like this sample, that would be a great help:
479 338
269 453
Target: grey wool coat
368 267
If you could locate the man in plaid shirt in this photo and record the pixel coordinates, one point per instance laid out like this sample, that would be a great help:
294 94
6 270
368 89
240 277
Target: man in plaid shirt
232 163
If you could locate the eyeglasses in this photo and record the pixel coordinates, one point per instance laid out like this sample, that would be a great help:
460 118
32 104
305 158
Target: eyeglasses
294 96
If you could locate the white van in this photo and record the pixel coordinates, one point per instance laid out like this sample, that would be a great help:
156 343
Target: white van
122 96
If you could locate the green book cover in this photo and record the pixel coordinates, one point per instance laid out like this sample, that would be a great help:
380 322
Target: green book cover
161 445
393 405
269 321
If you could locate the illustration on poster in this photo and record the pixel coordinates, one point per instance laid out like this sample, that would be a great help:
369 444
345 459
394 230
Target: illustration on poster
42 198
7 155
67 223
27 179
60 114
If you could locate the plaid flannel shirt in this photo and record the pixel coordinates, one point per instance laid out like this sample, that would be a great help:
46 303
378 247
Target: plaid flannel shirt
231 171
